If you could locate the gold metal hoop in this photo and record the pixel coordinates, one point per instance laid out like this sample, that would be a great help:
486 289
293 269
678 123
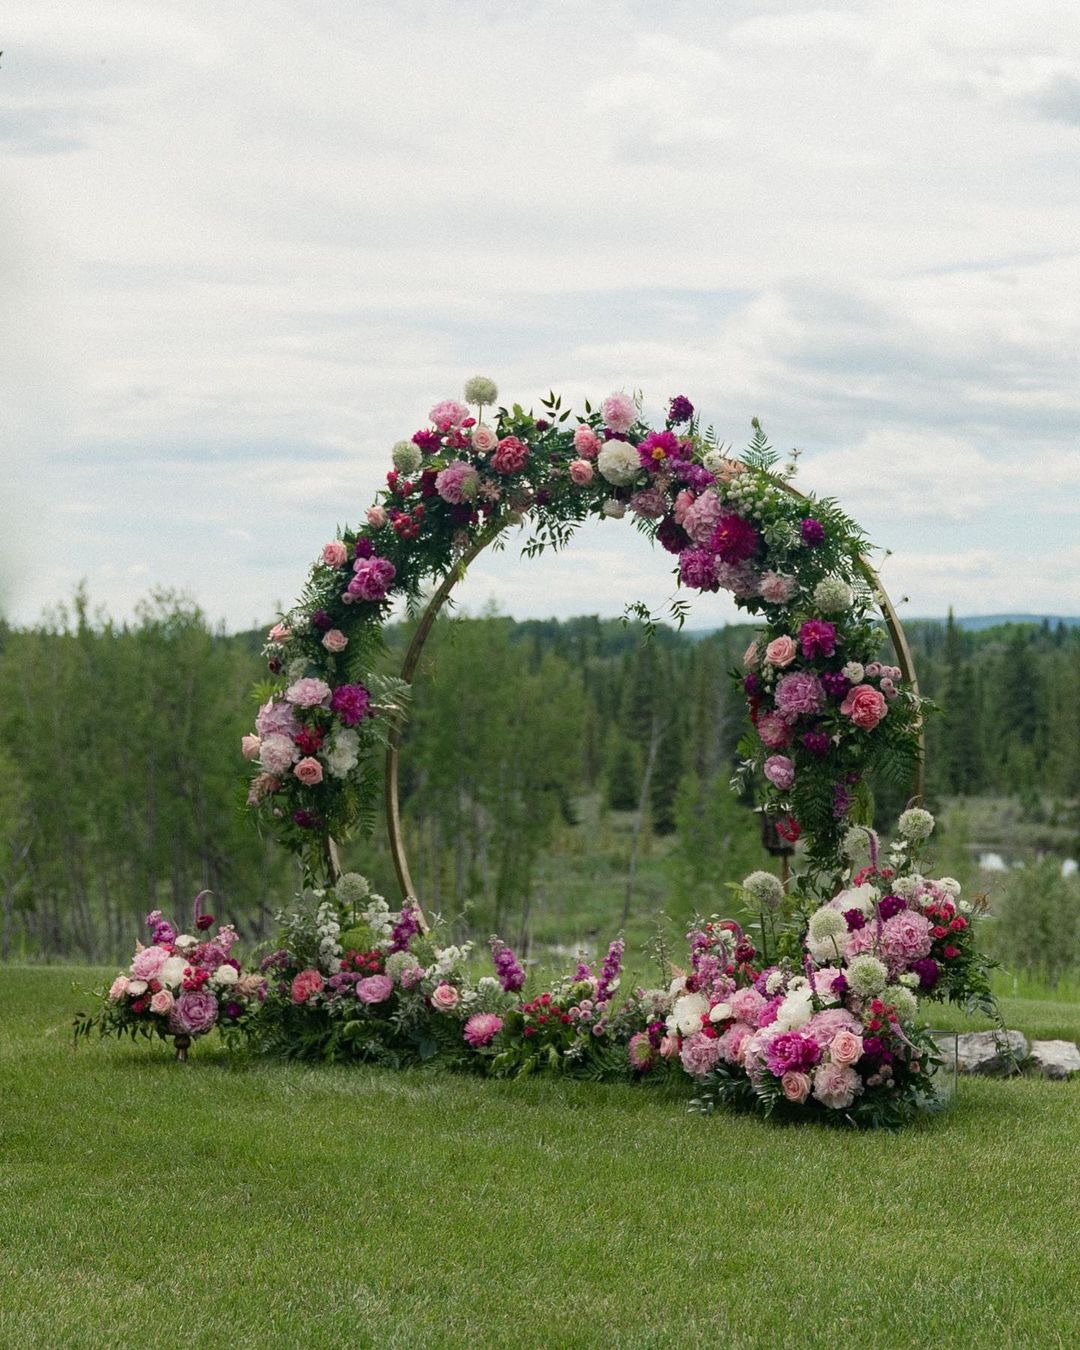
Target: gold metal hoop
431 613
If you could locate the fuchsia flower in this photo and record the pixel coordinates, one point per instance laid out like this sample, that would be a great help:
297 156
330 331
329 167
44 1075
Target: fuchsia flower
697 568
818 638
734 539
351 702
449 413
481 1029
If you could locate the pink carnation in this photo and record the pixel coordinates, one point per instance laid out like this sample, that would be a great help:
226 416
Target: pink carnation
798 693
701 517
865 705
781 651
374 989
372 578
835 1086
905 938
457 483
776 588
581 472
773 731
449 413
309 693
277 719
335 554
482 1028
700 1053
305 985
586 442
619 412
780 772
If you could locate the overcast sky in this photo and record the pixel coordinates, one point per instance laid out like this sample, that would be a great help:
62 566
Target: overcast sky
247 247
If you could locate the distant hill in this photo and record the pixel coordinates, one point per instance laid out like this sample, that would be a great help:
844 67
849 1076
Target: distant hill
975 623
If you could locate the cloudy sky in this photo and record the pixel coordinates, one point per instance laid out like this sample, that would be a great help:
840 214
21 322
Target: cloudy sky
246 248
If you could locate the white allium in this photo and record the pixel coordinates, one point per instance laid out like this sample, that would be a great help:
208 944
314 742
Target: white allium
916 824
687 1013
480 390
832 595
351 888
856 842
909 978
827 923
903 1000
866 975
764 889
619 462
406 456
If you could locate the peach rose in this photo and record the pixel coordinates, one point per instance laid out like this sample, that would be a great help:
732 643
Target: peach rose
249 746
845 1048
484 439
376 517
795 1086
445 998
309 771
865 705
781 651
581 471
335 640
162 1002
751 656
335 554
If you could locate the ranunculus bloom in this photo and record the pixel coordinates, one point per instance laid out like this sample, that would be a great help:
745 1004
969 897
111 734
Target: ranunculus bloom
865 705
309 693
445 997
374 989
780 772
162 1002
619 412
773 731
845 1048
484 439
193 1013
781 651
309 771
335 554
249 746
482 1028
795 1086
510 456
586 442
334 640
581 471
304 985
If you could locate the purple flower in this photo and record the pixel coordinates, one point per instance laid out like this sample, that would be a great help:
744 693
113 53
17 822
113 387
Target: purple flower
697 568
790 1052
835 683
817 638
890 905
695 476
813 532
799 692
927 970
680 409
734 539
671 535
817 742
322 621
351 702
840 984
609 971
511 976
306 820
841 801
751 685
406 928
193 1013
232 1010
583 971
364 548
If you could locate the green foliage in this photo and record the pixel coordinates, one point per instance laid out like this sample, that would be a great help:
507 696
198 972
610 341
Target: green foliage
1036 924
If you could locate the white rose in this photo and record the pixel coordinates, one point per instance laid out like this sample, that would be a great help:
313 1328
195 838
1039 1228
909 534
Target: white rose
343 755
172 971
856 897
619 462
225 976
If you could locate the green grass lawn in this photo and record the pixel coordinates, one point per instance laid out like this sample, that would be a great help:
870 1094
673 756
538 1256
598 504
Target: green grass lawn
147 1203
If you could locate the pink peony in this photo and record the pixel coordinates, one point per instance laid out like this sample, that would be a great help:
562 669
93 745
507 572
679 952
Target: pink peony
905 938
335 554
511 456
334 640
371 579
825 1026
780 772
700 1053
586 442
249 746
484 439
374 989
309 693
818 638
697 568
776 588
733 1041
865 705
118 988
795 1086
482 1028
457 483
445 997
773 731
791 1050
161 1003
734 539
619 412
650 504
799 692
193 1013
845 1048
279 633
305 985
277 754
835 1086
700 518
581 471
309 771
449 413
376 517
746 1004
277 719
148 962
781 651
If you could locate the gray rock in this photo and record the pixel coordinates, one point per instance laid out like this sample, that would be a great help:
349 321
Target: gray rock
1055 1059
984 1052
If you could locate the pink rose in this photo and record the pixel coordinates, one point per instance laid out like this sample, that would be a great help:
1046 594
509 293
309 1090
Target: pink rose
279 633
374 989
773 731
376 517
309 771
118 988
445 998
778 769
795 1086
309 693
335 554
249 746
865 705
835 1085
511 456
845 1048
586 442
781 651
305 985
161 1003
581 471
619 412
335 640
484 439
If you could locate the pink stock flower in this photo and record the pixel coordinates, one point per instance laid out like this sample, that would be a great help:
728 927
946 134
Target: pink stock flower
586 442
305 985
449 413
700 1053
309 693
309 771
865 705
335 640
835 1086
249 746
260 786
795 1086
773 731
374 989
780 772
781 651
619 412
511 456
335 554
481 1029
581 472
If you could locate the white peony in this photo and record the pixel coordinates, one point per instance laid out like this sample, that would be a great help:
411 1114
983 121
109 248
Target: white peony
614 508
687 1013
172 972
619 462
795 1011
343 754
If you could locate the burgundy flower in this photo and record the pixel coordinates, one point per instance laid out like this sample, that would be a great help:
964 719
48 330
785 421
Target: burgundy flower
890 905
817 742
855 919
671 535
428 441
680 409
817 637
734 538
835 683
364 548
322 621
813 532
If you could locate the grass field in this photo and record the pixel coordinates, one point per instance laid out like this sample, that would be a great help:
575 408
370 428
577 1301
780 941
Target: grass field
146 1203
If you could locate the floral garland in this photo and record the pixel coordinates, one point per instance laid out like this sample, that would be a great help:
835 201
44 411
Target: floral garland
826 712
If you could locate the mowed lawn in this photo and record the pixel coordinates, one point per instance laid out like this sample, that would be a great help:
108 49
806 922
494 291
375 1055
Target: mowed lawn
238 1202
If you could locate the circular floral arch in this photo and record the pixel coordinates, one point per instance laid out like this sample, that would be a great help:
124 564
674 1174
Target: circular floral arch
825 711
